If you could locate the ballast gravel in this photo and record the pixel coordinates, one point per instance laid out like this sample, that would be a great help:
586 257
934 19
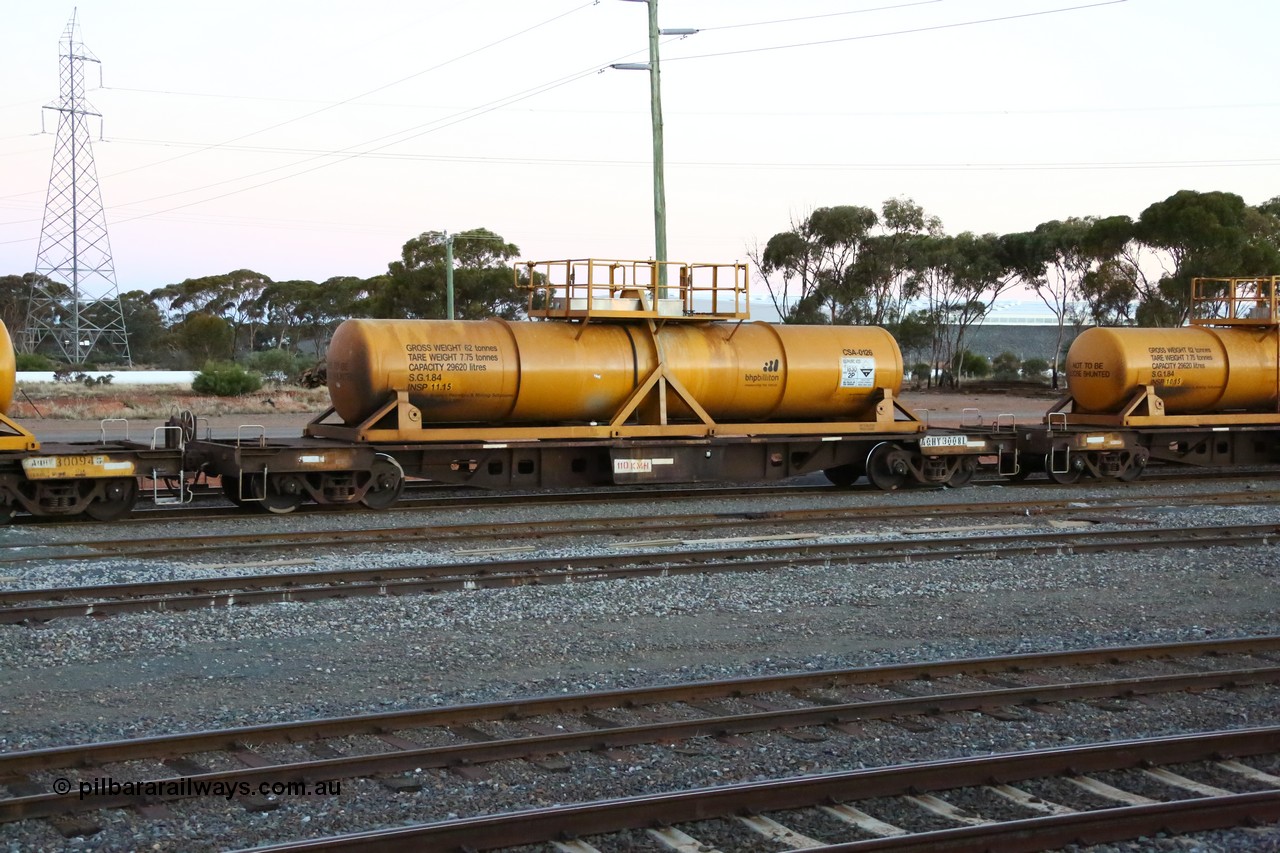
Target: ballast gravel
81 680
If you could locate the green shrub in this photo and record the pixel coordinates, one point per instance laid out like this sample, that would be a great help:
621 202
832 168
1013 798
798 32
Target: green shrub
973 364
277 365
222 379
920 371
34 361
1006 366
1035 368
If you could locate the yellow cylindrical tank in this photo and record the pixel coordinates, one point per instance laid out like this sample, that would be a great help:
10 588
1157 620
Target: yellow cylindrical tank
1195 370
494 371
8 370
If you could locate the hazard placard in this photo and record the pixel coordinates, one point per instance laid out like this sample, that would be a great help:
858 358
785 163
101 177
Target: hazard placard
858 371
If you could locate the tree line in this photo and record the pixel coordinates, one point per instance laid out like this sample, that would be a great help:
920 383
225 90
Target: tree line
849 264
284 326
899 269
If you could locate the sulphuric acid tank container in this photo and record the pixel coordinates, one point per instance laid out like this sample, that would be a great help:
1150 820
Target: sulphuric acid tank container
495 371
1195 370
8 367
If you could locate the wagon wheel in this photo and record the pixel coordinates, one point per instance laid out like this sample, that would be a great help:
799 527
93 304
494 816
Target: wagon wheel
386 483
1027 465
231 490
1062 478
7 512
844 475
279 494
118 498
887 468
965 469
1132 471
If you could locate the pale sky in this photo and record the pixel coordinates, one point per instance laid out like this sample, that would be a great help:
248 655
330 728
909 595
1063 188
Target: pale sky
311 139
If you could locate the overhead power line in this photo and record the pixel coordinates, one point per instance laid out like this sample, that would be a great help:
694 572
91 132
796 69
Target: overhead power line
816 17
909 31
365 94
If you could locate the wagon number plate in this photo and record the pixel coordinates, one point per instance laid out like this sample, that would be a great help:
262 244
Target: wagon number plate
945 441
67 467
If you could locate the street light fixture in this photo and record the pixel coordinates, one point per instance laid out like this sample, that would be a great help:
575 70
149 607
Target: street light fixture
655 108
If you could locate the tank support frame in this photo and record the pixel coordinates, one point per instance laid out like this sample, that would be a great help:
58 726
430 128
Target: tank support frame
14 437
1146 408
398 420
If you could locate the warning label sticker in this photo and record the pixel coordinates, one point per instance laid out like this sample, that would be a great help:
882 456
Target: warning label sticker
858 372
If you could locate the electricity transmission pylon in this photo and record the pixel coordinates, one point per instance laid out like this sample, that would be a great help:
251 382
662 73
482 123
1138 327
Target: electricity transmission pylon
75 305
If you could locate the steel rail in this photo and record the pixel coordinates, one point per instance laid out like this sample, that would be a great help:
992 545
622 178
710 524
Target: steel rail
613 526
217 592
1085 828
134 748
531 747
544 825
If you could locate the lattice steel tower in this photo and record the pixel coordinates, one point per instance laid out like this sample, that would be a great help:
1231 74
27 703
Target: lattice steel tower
75 304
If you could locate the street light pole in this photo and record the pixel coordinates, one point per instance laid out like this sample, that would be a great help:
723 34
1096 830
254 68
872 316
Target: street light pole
448 276
447 239
655 109
659 183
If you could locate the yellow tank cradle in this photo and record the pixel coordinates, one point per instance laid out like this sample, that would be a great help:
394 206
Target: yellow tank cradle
399 420
1146 409
14 437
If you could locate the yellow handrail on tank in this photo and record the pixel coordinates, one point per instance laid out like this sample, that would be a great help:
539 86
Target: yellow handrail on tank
1238 301
601 288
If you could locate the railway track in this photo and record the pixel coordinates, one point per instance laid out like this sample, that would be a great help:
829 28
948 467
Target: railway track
827 812
33 606
613 527
64 783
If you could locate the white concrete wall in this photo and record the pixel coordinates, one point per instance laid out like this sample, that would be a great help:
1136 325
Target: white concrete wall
121 377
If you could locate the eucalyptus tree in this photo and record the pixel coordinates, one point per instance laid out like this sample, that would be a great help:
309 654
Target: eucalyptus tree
884 271
415 285
810 269
983 268
322 308
232 297
279 308
15 294
205 337
1053 261
1108 291
150 342
960 279
1212 234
